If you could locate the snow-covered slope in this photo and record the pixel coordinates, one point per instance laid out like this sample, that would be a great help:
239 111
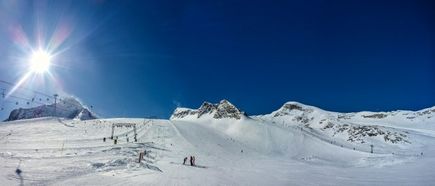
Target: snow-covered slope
69 108
290 146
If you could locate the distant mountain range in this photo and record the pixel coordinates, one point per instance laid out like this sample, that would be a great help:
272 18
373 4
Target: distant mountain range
357 127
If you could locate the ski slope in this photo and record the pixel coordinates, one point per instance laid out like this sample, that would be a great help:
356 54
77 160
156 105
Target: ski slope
248 151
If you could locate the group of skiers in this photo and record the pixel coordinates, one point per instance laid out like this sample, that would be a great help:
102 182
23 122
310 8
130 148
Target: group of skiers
192 160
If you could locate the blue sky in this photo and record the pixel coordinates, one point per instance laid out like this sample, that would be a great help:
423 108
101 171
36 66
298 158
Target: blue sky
143 58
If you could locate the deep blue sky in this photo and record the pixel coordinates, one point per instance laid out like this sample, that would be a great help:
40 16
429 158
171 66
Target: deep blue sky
142 58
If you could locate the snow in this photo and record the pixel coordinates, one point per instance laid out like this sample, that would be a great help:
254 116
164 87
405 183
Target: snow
258 150
69 107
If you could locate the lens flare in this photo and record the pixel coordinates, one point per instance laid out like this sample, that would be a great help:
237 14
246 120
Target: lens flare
40 61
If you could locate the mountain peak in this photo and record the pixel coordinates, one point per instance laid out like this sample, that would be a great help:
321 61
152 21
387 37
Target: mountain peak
227 110
224 101
291 105
224 109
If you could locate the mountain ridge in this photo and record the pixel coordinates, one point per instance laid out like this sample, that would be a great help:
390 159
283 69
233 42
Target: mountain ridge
345 128
69 108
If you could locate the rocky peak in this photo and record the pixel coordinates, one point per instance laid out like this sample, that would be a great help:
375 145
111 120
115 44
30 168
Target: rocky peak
217 111
291 108
227 110
206 108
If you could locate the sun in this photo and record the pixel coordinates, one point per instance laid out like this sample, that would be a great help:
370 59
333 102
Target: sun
40 61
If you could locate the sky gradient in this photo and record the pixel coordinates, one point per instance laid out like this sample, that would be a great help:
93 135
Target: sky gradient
144 58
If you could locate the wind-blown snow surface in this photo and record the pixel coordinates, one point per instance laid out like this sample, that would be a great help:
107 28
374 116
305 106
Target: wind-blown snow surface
274 149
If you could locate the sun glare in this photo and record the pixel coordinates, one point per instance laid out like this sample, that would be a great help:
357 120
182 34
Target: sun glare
40 61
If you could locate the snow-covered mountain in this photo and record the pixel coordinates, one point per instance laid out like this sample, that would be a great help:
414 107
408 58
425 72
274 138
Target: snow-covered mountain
69 108
224 109
386 130
295 145
298 113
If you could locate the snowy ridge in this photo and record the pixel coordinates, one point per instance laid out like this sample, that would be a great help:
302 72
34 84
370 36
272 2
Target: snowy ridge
389 130
69 108
401 117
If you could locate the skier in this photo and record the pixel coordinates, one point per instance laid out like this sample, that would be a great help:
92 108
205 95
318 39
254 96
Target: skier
18 171
191 160
140 156
184 161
